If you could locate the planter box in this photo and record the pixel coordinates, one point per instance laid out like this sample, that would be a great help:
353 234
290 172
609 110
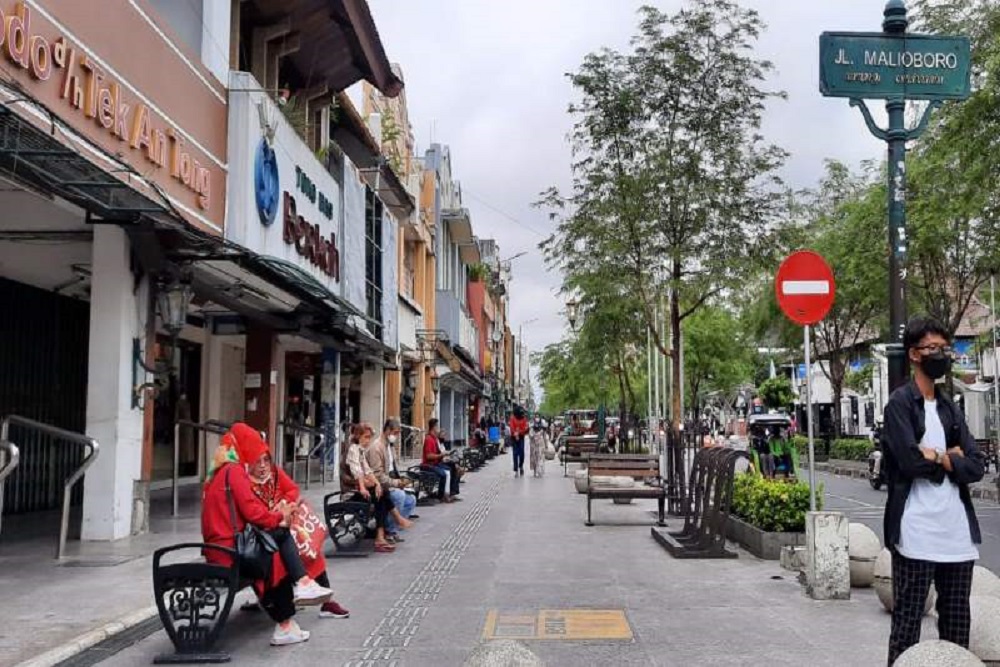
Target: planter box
760 543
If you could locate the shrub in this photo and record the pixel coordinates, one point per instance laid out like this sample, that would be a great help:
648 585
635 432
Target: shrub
850 450
773 505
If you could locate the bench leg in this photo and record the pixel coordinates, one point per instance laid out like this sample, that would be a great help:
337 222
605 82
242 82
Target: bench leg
660 505
589 522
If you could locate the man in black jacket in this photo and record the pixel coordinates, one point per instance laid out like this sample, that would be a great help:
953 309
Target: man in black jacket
930 525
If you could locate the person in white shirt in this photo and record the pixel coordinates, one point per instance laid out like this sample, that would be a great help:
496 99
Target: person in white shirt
930 460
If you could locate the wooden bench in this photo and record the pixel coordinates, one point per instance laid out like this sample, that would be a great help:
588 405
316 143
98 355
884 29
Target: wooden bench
643 468
578 448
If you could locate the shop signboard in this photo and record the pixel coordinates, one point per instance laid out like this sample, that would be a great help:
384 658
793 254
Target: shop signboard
284 203
135 98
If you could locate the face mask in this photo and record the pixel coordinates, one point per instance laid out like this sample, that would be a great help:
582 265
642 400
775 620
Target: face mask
392 440
936 366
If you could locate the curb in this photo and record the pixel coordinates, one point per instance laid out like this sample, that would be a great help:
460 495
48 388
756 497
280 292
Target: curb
987 491
85 641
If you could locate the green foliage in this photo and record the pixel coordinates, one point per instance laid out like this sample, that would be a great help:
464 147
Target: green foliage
478 272
861 380
716 355
776 392
850 450
674 190
773 505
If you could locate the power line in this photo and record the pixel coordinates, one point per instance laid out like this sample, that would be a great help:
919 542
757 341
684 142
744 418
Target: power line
508 216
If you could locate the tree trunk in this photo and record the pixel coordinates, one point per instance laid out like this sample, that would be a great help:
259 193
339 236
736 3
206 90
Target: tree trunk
675 462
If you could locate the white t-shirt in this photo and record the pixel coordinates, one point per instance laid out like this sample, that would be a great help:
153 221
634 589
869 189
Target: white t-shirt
935 527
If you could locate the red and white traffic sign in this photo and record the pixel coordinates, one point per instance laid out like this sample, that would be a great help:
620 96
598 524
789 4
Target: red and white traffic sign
805 287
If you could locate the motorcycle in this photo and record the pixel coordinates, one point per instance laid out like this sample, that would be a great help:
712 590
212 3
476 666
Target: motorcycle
876 475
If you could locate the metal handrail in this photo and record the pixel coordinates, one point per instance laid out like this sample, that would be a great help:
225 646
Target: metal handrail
13 458
284 426
68 436
209 426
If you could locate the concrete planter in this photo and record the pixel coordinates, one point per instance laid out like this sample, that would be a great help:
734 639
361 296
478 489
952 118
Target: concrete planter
761 543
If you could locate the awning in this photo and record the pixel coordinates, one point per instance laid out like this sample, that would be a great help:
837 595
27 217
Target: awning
351 133
460 225
340 44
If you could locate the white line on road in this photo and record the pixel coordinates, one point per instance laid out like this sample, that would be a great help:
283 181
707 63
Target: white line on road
793 287
852 500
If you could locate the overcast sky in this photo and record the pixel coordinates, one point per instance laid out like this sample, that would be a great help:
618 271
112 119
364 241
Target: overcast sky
487 78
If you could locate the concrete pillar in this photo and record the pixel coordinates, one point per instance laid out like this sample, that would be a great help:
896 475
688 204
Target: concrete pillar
828 571
372 384
329 397
117 314
261 395
419 396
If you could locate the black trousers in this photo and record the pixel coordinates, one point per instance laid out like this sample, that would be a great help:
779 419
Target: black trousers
382 505
455 479
911 581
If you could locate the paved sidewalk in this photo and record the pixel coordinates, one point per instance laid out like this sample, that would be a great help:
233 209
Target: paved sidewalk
518 546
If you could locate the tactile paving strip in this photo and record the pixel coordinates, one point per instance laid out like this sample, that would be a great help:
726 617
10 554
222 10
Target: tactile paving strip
391 636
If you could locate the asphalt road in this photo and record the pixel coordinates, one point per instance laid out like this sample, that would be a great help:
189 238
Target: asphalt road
861 503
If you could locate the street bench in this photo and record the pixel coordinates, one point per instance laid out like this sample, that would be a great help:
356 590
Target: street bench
347 522
577 448
643 468
193 600
705 507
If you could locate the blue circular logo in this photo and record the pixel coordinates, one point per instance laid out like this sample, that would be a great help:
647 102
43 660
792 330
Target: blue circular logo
265 181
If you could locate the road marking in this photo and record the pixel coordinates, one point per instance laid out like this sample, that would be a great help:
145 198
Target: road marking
805 287
852 500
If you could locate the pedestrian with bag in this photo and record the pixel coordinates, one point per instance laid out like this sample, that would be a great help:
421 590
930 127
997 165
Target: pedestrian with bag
930 459
518 431
235 516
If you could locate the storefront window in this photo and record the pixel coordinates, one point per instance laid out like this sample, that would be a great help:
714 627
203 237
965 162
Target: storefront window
373 262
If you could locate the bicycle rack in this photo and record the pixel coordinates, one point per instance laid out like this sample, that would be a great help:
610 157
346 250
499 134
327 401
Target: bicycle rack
62 434
210 426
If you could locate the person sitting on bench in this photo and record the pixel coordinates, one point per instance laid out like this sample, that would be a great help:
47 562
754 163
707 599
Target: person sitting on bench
381 460
230 503
356 474
433 459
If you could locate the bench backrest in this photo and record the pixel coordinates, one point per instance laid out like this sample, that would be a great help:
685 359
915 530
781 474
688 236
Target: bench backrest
580 445
636 466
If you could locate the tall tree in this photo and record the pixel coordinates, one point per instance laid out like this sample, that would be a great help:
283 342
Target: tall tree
673 183
716 358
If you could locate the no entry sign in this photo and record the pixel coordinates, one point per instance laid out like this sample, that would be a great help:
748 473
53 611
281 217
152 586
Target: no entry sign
805 287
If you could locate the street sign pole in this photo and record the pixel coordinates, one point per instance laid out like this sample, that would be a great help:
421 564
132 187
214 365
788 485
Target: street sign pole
809 424
896 66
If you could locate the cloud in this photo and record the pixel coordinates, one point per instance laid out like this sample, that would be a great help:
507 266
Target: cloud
487 78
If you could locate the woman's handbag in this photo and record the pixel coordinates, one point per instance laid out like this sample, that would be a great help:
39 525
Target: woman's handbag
550 452
254 547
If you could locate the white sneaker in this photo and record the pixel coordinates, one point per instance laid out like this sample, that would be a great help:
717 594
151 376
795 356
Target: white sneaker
311 594
292 635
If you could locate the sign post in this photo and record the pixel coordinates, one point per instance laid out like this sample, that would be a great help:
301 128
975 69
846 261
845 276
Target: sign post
895 66
805 289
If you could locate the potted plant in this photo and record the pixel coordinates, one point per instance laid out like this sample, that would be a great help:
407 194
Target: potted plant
769 514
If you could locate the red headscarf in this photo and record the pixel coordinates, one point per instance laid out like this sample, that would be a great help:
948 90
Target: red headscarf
242 444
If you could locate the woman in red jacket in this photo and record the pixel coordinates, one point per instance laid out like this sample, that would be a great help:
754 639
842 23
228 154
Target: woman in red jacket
518 429
242 469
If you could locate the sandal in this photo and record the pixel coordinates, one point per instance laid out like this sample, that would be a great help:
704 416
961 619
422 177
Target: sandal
384 548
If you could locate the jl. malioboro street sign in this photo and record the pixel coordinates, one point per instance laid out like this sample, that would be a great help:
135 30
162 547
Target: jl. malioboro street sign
877 65
895 66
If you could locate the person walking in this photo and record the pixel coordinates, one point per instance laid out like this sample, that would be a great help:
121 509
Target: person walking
930 525
538 444
518 429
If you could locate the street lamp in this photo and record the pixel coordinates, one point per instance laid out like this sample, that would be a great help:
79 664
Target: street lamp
572 310
435 384
172 301
513 257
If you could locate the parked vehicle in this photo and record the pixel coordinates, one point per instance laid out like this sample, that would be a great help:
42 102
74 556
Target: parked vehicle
765 434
